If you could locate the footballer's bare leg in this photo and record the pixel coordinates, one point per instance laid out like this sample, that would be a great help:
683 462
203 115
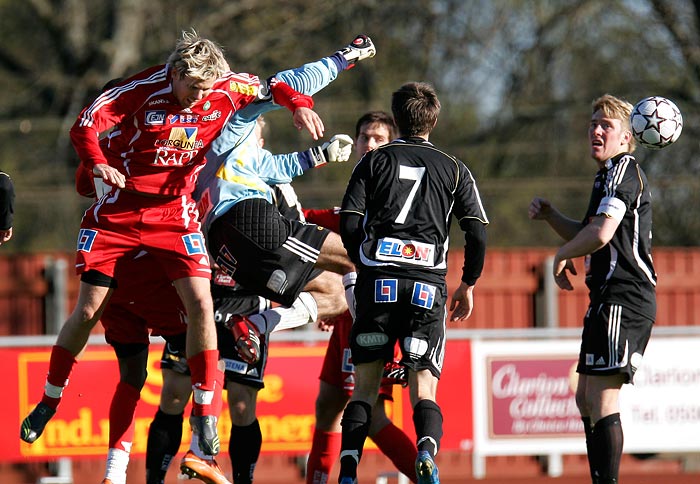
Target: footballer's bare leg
203 358
328 292
70 344
333 256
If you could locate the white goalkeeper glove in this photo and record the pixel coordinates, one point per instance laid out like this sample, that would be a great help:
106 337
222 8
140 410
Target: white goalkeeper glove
336 150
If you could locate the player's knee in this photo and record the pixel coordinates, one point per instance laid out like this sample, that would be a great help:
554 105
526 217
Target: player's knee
242 414
135 377
85 316
327 412
173 401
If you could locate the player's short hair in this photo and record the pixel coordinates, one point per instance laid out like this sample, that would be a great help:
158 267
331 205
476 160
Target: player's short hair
416 108
378 117
198 58
615 108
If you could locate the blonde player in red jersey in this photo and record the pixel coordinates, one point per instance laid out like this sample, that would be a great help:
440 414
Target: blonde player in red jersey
163 121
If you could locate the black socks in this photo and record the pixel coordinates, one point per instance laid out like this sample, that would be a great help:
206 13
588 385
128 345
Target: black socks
244 450
164 437
355 423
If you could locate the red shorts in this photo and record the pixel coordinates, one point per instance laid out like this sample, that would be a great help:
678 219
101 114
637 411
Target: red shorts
338 369
125 222
146 300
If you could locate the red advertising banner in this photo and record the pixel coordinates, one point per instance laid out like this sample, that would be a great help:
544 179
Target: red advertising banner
532 396
285 407
524 399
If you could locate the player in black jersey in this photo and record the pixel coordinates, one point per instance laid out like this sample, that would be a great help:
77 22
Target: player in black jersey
615 238
395 221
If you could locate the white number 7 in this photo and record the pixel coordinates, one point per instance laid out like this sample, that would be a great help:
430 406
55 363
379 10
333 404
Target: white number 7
409 173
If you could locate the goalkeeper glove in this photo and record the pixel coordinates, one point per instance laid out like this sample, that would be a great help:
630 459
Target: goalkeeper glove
336 150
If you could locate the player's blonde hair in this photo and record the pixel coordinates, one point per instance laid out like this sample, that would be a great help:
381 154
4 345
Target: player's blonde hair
198 58
616 108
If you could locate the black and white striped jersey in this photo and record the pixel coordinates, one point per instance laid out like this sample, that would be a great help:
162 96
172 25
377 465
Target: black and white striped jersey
406 192
622 272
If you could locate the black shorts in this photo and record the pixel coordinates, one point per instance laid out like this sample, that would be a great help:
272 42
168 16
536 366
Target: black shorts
613 341
237 370
265 252
174 354
227 302
410 311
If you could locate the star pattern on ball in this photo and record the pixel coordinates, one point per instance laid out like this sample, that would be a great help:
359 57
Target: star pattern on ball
653 120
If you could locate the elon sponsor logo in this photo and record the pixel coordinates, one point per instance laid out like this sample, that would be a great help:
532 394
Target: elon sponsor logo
408 251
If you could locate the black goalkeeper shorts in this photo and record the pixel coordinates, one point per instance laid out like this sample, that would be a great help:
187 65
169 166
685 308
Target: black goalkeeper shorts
266 253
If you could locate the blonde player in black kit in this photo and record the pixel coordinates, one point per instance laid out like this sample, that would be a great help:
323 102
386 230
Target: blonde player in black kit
395 221
615 238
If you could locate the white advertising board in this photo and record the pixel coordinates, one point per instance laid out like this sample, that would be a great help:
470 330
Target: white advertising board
524 398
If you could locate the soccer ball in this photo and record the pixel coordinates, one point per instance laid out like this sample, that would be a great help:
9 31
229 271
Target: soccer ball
656 122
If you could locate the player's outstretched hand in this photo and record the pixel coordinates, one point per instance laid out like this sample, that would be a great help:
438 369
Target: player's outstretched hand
306 118
462 302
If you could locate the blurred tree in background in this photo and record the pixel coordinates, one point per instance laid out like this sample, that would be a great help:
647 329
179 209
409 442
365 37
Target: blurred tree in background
515 78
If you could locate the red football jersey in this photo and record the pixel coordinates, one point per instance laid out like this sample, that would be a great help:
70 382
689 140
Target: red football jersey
157 144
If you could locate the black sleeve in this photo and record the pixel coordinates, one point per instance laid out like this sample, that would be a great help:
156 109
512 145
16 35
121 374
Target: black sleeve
351 233
474 249
7 201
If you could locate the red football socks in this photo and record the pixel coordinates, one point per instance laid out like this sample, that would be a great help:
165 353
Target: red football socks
121 416
60 367
204 369
401 450
325 449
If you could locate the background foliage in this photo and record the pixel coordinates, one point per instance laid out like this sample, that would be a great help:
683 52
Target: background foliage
515 78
